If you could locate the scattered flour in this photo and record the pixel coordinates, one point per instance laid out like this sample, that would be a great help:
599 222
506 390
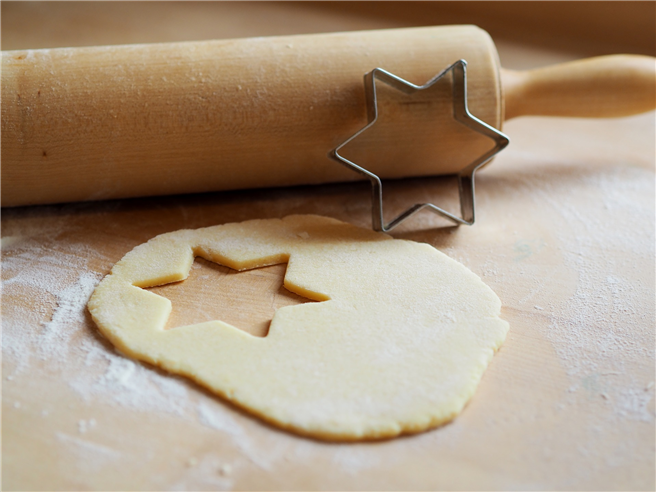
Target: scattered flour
92 457
605 327
212 415
56 328
85 425
55 337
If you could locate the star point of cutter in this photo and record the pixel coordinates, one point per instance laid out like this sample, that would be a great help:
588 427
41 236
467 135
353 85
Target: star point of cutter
460 113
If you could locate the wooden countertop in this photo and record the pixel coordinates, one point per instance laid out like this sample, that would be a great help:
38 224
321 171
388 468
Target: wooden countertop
564 235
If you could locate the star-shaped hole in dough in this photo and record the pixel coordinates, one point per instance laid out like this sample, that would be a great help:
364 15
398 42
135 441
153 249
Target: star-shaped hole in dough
246 300
411 142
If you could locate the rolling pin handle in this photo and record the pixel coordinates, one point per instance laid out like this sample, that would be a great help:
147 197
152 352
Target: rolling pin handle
601 87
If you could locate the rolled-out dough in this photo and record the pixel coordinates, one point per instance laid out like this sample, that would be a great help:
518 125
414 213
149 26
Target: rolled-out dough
398 344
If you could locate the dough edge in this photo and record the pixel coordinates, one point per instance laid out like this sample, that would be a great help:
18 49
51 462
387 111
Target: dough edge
376 430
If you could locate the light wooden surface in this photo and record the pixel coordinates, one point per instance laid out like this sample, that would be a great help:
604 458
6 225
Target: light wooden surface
564 235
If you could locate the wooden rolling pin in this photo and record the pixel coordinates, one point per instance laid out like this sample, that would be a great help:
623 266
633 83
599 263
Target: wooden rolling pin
139 120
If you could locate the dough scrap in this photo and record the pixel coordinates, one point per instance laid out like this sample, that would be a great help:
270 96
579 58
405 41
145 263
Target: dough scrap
398 345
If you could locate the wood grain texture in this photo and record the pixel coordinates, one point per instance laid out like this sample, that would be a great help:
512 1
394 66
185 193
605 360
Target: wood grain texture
564 235
253 296
144 120
600 87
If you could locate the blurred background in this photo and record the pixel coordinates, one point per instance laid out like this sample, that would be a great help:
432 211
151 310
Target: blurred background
579 29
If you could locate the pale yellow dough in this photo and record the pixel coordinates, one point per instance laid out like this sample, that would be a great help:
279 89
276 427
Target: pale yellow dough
398 345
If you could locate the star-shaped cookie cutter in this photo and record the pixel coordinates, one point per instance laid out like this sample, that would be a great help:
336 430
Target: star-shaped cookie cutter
460 113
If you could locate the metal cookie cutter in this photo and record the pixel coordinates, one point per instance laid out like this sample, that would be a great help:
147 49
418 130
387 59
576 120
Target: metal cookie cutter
460 113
